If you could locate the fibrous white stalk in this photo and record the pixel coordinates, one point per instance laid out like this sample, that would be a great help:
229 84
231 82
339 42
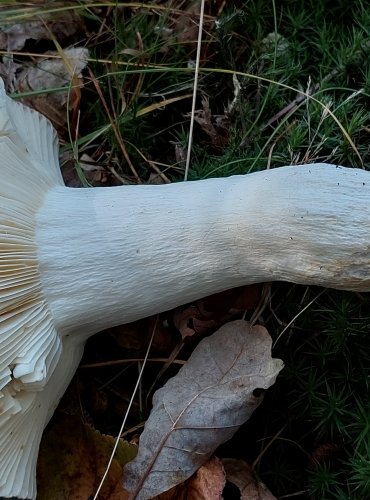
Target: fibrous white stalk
110 256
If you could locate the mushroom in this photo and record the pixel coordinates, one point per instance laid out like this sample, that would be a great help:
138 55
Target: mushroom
76 261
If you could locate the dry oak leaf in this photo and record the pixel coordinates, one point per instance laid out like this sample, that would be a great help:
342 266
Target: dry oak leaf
201 407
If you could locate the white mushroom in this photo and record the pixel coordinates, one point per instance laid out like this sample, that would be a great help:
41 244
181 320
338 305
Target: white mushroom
36 363
75 261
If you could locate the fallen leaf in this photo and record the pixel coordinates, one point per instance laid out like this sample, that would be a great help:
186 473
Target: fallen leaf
243 476
206 484
221 306
54 72
214 310
72 460
134 337
274 46
155 178
13 37
202 407
190 321
208 123
323 452
185 26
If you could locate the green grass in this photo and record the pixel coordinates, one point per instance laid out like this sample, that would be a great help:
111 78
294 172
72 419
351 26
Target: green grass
274 53
321 396
286 82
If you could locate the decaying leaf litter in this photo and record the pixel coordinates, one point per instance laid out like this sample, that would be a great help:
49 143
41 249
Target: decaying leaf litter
14 42
202 407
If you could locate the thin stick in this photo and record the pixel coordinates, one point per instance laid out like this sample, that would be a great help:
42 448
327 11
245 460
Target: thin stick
195 89
297 316
118 362
127 412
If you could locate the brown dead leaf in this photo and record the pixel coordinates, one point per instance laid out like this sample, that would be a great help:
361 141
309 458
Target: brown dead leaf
94 172
214 127
213 311
186 25
135 336
323 452
72 460
190 321
54 72
155 178
202 407
221 306
242 475
13 37
206 484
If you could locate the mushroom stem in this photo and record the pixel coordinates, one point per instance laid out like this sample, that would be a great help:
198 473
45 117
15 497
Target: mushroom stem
111 256
76 261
